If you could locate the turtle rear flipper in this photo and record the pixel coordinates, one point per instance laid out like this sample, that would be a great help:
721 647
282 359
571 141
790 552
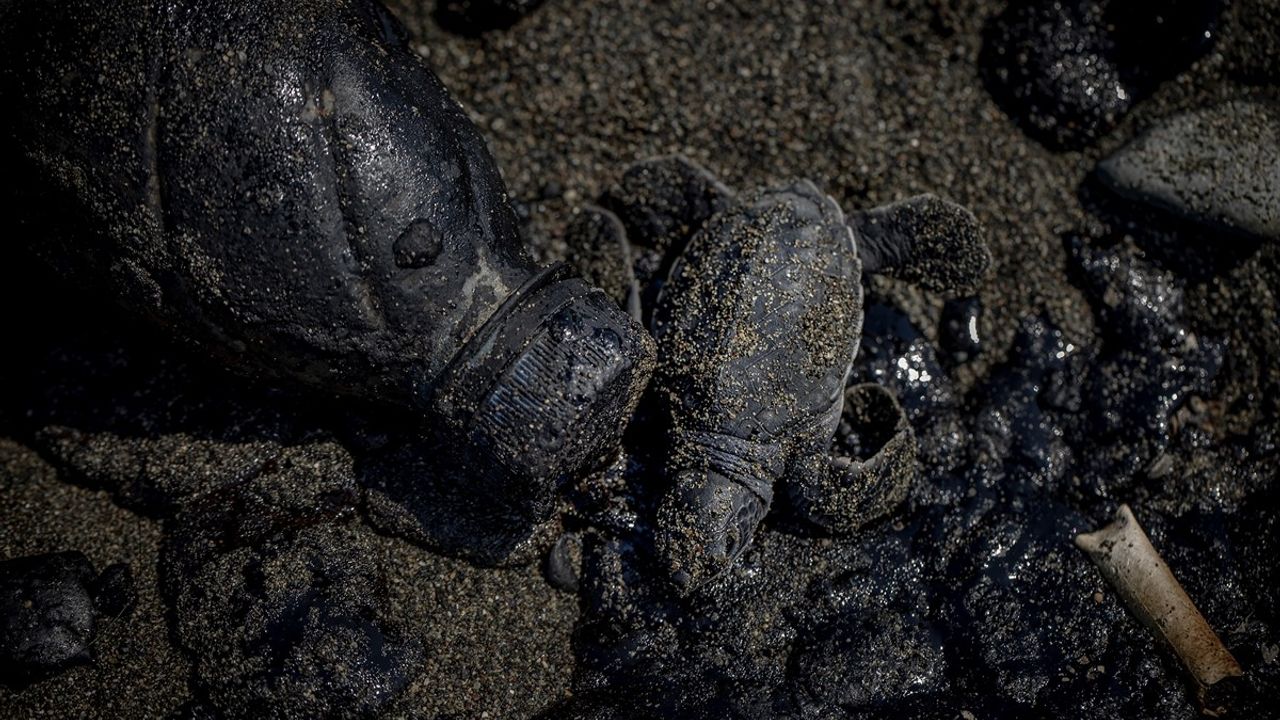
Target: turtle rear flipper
926 240
869 470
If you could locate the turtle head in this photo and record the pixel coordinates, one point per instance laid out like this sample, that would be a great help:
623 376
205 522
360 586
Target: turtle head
705 522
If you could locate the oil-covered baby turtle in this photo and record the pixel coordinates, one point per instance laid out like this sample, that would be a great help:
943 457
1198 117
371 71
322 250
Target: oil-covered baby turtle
286 187
757 325
757 318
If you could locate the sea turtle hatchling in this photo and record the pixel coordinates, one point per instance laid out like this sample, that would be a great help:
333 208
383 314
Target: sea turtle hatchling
757 323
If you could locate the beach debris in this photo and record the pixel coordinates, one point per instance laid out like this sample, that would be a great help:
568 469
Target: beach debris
325 214
1124 554
1217 166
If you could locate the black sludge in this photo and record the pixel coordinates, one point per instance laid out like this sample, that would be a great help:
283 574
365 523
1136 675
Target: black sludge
279 598
286 187
758 325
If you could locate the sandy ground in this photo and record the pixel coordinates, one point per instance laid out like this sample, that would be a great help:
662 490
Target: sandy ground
874 101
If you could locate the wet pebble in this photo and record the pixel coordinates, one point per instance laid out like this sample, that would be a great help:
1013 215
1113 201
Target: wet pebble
564 563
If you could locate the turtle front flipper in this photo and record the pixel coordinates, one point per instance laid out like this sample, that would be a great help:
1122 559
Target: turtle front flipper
662 202
925 240
757 327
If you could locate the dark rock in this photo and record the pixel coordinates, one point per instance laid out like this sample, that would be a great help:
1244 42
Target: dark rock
1218 166
1068 71
46 614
